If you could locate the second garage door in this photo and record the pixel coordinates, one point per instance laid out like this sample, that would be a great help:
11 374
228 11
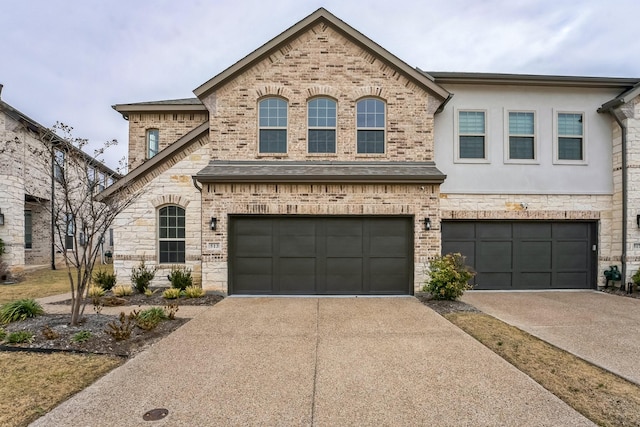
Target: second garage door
320 255
525 254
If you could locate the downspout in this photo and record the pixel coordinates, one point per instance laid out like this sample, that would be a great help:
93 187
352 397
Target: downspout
623 135
53 218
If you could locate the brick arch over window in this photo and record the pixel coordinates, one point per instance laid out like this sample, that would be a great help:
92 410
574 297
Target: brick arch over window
170 199
371 92
322 91
279 91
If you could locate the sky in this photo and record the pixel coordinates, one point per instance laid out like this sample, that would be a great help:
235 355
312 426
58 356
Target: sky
69 61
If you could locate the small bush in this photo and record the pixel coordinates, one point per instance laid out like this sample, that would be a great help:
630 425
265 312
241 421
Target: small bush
141 276
82 336
148 292
171 293
121 330
193 292
448 277
49 333
122 291
96 292
20 310
104 279
171 310
20 337
180 277
3 334
150 318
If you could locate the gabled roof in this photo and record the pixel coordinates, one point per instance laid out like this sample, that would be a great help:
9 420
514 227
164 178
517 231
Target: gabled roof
173 105
321 15
621 99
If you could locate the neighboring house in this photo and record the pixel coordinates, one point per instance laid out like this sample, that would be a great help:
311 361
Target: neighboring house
26 188
323 164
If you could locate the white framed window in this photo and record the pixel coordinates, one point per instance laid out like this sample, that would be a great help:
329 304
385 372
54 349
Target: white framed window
101 181
70 232
471 136
58 165
272 125
28 229
91 177
171 235
521 141
570 138
321 125
371 125
153 142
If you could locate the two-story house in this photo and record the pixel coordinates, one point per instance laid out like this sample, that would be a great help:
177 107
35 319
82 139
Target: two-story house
28 187
322 164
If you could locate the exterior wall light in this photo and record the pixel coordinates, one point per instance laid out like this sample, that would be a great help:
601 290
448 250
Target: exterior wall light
214 223
1 217
427 224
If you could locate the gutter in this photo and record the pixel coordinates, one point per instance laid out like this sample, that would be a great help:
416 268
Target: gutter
623 129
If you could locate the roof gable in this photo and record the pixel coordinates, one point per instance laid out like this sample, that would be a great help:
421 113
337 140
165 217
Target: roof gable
321 16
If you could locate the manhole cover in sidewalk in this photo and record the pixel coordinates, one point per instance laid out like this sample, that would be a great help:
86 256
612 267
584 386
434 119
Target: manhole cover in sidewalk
155 414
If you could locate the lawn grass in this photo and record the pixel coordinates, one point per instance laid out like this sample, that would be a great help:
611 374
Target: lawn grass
32 384
41 283
599 395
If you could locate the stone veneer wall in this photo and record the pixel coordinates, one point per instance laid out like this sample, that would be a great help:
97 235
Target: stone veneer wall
171 126
135 229
541 207
221 200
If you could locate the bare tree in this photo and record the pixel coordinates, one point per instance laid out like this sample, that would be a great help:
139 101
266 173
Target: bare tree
79 221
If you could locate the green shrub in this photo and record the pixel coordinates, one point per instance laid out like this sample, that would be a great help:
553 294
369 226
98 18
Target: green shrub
148 292
150 318
141 276
20 310
636 277
122 290
82 336
3 334
104 279
20 337
2 249
448 277
193 292
171 293
180 277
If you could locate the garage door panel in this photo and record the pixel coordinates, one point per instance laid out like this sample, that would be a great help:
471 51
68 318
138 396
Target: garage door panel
387 274
389 245
493 280
254 273
254 245
344 245
542 255
297 245
297 275
344 275
494 256
533 256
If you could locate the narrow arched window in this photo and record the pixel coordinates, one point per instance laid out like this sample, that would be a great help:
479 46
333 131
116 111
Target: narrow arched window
321 123
153 142
171 235
272 118
370 125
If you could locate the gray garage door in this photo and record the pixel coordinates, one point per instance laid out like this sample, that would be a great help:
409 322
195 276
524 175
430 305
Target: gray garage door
320 255
525 255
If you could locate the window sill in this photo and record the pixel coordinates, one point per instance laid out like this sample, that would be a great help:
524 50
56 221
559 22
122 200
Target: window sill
570 162
473 161
369 155
521 162
272 155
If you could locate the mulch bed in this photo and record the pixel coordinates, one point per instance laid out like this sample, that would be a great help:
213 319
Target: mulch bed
443 306
156 299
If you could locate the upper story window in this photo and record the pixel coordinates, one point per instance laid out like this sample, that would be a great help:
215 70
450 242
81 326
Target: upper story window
28 229
58 165
153 142
321 122
101 181
521 136
570 136
370 126
91 177
272 122
171 235
471 135
70 232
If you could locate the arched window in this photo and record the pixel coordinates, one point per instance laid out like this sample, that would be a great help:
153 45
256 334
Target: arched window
171 235
370 125
153 142
272 118
321 123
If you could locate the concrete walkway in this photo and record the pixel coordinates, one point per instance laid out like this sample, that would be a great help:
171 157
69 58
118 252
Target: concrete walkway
601 328
316 362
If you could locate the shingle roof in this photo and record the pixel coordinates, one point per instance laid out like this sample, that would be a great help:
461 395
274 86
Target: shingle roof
321 172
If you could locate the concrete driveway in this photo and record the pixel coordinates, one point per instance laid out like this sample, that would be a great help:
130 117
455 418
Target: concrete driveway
316 362
601 328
